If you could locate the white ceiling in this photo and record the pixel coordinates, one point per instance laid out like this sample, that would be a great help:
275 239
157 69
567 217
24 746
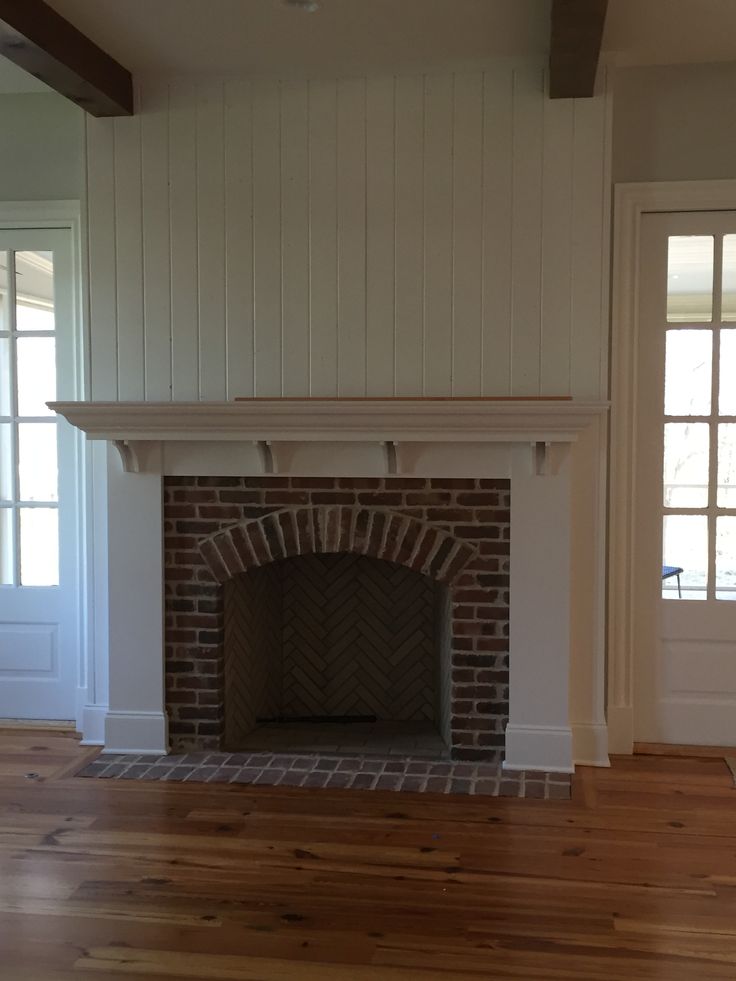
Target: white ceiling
266 37
350 37
670 32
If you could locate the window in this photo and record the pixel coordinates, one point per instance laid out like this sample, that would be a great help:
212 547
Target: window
699 522
29 517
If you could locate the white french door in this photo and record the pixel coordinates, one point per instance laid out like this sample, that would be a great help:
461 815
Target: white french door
39 537
684 589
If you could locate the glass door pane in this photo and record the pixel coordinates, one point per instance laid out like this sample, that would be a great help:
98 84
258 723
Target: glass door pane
690 279
29 546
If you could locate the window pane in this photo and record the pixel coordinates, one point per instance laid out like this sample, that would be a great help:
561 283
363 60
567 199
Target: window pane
690 278
688 372
685 540
34 284
6 462
4 325
728 295
726 558
36 360
39 547
727 368
6 401
6 547
37 467
727 465
686 451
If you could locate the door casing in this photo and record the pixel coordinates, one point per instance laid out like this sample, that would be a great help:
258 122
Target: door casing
67 215
631 201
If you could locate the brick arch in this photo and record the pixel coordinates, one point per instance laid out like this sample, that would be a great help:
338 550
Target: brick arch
375 532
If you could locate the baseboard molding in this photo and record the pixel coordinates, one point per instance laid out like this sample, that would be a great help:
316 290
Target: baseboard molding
590 744
145 733
92 725
539 748
620 730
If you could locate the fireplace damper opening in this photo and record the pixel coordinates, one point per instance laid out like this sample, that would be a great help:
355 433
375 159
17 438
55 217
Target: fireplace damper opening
338 653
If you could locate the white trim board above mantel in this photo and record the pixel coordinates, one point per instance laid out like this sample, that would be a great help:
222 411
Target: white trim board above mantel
278 436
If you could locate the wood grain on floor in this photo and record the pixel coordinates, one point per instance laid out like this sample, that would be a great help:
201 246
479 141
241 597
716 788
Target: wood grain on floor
635 879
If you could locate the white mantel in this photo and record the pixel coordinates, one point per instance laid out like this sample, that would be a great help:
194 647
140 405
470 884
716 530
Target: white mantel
524 440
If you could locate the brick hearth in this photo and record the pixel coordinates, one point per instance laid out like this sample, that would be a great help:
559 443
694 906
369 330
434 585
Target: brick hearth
456 531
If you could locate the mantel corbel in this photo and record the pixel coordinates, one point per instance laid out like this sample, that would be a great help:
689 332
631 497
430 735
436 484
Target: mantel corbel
129 456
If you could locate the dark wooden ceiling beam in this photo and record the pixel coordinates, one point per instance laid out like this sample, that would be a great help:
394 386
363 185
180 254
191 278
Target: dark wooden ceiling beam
38 39
577 33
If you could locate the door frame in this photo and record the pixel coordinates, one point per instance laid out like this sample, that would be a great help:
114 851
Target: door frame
631 202
67 215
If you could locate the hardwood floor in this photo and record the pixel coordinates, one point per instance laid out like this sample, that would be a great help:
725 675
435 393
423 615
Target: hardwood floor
634 879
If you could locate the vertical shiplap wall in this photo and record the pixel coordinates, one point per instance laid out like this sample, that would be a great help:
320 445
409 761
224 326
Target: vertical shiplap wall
409 235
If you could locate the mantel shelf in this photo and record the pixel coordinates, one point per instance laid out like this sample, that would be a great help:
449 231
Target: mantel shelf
318 420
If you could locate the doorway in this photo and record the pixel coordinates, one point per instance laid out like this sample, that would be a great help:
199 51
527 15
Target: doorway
39 480
684 543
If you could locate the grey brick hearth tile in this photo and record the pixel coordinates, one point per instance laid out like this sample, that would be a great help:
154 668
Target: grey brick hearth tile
224 774
295 778
363 781
486 788
436 785
315 771
270 776
316 778
246 774
413 784
113 770
339 779
137 771
388 781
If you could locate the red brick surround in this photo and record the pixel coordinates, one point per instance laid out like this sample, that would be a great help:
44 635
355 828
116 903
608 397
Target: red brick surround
454 530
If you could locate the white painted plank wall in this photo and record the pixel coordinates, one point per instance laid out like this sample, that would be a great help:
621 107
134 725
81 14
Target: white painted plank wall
411 235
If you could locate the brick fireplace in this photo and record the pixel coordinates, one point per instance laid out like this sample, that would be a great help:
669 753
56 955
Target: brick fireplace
452 531
275 477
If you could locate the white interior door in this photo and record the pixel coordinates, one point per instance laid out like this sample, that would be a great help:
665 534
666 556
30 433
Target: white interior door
684 589
39 538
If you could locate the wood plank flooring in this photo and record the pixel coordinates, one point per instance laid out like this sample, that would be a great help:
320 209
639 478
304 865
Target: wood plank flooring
634 879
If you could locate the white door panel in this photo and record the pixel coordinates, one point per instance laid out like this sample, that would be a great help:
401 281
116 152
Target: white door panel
39 590
685 491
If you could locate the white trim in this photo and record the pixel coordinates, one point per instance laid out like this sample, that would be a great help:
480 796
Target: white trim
630 203
93 719
144 733
590 744
319 419
538 748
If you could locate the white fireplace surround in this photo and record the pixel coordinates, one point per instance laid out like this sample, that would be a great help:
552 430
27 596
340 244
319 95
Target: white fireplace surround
553 451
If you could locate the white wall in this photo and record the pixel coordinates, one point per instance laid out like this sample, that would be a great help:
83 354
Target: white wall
429 235
42 156
674 123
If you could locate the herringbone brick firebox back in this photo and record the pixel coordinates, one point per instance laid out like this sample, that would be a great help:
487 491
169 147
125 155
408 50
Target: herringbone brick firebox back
221 532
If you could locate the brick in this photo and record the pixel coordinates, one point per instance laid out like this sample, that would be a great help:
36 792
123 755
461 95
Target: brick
221 512
345 498
240 497
286 498
313 483
452 483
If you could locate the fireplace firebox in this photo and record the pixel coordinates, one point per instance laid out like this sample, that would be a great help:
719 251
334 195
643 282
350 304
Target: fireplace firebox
367 600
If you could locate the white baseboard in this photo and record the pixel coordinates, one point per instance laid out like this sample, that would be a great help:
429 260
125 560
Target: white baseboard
92 725
590 744
620 729
136 732
539 748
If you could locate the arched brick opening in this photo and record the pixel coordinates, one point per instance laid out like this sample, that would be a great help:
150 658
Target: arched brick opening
381 534
455 531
